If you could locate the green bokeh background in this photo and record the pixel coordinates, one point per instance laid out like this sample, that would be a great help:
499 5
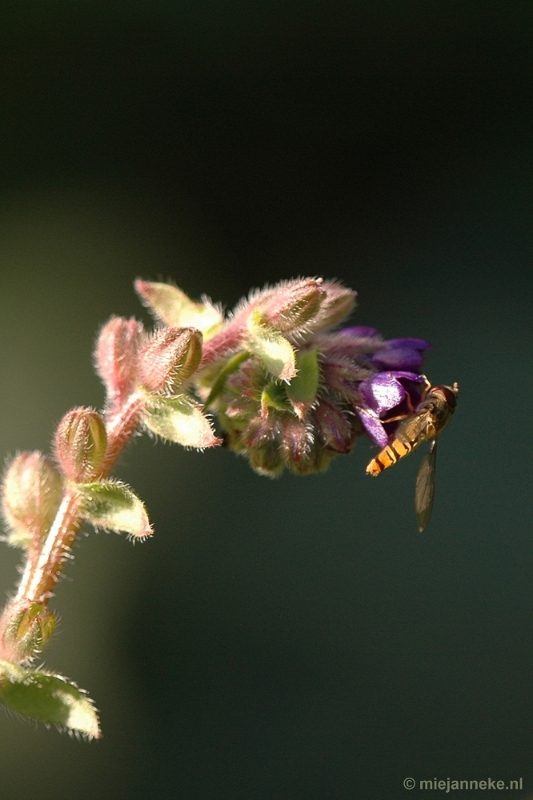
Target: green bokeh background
292 639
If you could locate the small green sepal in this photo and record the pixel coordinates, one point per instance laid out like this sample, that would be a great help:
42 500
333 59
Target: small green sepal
112 505
47 698
179 419
27 631
274 395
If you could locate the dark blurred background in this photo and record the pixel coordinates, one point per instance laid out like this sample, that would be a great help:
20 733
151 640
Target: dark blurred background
293 639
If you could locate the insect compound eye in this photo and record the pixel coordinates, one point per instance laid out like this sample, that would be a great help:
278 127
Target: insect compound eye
447 394
450 396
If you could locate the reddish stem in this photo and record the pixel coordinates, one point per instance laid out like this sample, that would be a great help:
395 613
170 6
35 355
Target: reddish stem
43 566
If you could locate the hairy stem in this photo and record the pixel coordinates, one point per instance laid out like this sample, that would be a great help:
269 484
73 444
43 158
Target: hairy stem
44 565
40 574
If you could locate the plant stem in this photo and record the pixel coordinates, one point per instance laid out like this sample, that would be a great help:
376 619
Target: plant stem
44 565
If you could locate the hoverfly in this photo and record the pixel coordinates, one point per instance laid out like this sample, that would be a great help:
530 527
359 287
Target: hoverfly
426 423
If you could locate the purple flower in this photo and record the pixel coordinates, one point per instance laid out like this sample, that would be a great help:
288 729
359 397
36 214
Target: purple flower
395 354
388 397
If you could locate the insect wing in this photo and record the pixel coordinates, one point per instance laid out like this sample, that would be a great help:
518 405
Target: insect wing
413 429
425 487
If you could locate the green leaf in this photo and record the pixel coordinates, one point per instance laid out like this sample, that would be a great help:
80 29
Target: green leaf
47 698
113 506
174 308
303 388
179 419
271 347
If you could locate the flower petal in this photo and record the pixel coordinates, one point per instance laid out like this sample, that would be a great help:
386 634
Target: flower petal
382 392
398 358
373 426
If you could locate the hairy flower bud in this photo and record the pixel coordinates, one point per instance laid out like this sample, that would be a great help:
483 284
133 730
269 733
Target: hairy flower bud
336 430
260 442
297 444
80 444
291 305
31 494
337 303
116 356
169 358
278 440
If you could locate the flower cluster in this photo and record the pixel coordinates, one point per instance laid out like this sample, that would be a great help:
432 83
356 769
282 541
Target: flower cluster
289 388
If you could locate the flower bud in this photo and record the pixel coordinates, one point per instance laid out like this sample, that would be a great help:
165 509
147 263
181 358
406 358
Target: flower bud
336 431
281 440
290 305
116 355
336 304
31 494
169 358
260 443
297 444
80 444
343 378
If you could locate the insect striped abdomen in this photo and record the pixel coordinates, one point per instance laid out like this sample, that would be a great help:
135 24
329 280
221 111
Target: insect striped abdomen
389 456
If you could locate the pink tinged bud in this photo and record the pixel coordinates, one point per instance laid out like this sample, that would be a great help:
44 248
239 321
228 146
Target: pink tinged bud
116 355
296 440
277 441
273 350
337 303
47 698
113 506
260 443
169 358
342 377
80 444
178 419
303 452
336 431
349 346
31 494
291 305
172 307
